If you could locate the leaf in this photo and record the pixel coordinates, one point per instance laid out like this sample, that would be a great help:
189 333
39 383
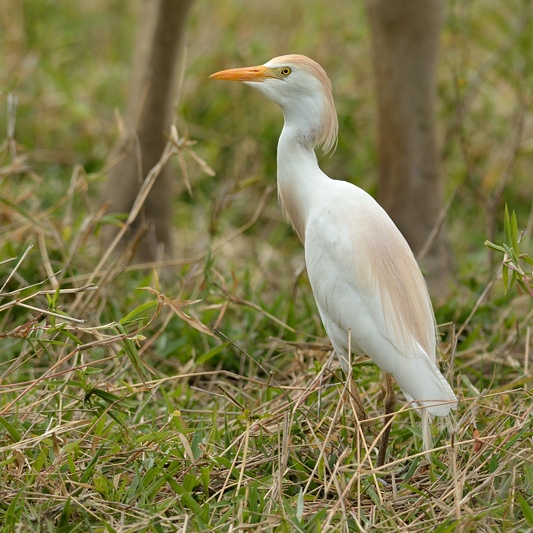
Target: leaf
505 277
185 497
204 358
70 335
92 463
511 253
184 173
527 259
138 311
12 430
133 355
65 514
186 448
494 247
176 306
511 230
526 509
514 233
201 163
507 226
106 396
13 512
300 505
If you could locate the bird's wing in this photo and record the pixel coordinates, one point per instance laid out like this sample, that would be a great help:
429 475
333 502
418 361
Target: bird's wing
371 294
362 269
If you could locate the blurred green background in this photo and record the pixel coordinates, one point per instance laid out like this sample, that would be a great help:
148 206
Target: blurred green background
68 64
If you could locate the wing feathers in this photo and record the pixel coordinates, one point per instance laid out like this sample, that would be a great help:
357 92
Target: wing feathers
366 281
393 271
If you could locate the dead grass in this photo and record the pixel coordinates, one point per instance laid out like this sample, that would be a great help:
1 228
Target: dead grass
99 432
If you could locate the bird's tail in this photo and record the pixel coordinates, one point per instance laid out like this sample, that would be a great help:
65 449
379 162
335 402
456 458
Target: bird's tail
429 392
422 383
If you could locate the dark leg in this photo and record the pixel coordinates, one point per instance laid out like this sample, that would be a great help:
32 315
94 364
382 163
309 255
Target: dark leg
354 393
390 401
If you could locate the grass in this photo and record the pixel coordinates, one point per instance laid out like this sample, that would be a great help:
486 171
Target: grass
200 396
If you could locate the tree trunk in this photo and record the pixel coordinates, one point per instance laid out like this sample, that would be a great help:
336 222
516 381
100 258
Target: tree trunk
405 39
160 29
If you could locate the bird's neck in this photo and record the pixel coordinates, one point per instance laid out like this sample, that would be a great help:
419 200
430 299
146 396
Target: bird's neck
300 179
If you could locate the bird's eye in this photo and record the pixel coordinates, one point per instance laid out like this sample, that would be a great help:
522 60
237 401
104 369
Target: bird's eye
284 71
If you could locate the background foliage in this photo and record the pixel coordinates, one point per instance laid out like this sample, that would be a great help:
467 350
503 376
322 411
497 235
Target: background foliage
120 412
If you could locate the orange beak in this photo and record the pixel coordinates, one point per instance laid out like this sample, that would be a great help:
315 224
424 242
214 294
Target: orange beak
260 73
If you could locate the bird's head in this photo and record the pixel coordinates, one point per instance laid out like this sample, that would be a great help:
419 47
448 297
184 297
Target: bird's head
301 88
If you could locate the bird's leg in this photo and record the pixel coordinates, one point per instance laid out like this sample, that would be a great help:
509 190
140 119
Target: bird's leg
390 401
353 389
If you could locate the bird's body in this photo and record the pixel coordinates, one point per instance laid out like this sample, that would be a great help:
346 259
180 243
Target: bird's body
369 290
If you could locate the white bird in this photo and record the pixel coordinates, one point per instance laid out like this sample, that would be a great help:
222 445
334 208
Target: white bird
368 287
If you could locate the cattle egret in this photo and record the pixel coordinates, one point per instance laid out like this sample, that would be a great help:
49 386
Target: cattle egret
369 290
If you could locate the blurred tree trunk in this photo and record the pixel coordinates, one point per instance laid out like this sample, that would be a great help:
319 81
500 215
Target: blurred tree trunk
405 39
12 23
160 29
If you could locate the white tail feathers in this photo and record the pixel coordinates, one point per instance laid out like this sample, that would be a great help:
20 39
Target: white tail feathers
424 385
430 393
